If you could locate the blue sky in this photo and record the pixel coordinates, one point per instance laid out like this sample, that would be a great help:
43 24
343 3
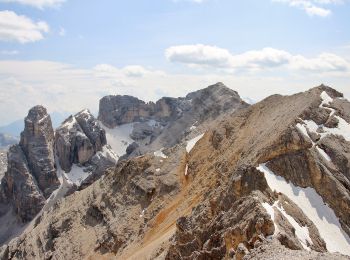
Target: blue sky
67 54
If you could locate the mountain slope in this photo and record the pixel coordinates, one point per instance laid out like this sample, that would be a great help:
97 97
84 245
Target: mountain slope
212 197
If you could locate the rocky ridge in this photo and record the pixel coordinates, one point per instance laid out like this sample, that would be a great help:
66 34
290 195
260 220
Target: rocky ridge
45 166
246 189
167 122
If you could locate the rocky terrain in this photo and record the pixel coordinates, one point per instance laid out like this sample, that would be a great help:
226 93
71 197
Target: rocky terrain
267 181
45 166
153 126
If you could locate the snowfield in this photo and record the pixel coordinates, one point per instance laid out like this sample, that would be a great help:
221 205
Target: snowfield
315 209
119 137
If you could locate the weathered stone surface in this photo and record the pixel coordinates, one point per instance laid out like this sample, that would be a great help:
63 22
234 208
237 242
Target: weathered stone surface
37 141
72 145
92 129
78 139
20 186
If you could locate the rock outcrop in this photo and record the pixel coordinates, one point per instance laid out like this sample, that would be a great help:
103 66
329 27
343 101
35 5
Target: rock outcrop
209 102
20 186
3 163
37 142
31 175
81 141
170 120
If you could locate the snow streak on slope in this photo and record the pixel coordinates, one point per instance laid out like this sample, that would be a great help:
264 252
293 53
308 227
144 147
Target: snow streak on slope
191 143
314 208
270 210
160 153
119 137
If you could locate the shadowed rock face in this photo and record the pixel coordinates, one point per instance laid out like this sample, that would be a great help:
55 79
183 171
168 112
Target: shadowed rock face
78 139
20 186
31 175
37 141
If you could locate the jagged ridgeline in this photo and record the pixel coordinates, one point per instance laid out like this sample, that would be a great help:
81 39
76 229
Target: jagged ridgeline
206 176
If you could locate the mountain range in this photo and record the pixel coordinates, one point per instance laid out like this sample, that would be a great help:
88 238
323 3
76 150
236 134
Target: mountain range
206 176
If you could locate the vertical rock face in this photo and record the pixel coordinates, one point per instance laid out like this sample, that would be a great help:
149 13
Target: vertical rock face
20 187
117 110
92 130
72 145
78 139
37 141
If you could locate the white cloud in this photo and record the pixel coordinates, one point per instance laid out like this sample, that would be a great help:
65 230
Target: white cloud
65 88
199 55
267 58
41 4
312 7
20 28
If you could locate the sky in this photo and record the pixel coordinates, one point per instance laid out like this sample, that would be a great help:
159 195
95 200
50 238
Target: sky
67 54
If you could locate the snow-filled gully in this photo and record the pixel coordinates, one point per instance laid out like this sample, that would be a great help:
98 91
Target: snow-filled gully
313 206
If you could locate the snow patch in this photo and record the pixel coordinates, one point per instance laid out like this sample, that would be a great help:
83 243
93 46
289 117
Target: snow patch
108 153
342 129
62 189
324 154
326 99
69 124
270 210
314 208
119 137
191 143
302 233
77 174
160 153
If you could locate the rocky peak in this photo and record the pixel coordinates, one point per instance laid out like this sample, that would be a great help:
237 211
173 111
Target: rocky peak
37 141
92 129
78 139
117 110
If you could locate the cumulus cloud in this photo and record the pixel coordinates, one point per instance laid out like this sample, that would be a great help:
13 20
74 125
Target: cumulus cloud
266 58
199 55
65 88
41 4
14 27
312 7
